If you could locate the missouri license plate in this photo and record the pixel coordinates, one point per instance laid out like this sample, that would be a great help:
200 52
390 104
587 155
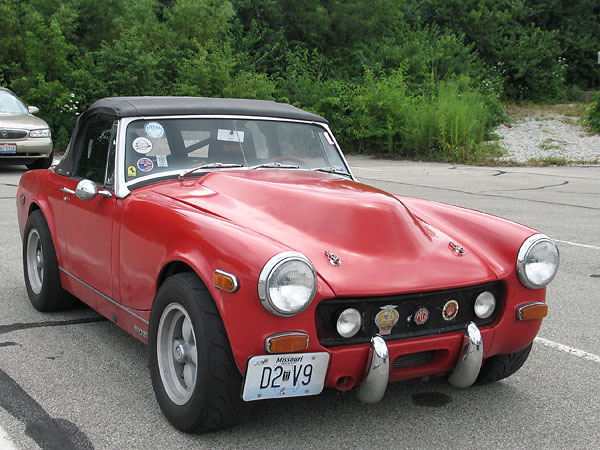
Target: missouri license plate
286 375
8 149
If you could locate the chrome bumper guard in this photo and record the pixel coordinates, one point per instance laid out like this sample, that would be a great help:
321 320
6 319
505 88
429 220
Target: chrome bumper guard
377 372
470 358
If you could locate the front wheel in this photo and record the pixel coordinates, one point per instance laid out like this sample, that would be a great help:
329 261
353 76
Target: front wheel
42 163
194 376
502 366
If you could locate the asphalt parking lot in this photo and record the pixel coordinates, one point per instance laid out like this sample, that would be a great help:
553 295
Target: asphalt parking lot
73 380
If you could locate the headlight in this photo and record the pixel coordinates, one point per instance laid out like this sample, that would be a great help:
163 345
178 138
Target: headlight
537 261
287 284
40 133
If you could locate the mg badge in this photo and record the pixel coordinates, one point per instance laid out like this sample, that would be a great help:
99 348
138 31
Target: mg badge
421 316
386 319
334 260
450 310
456 249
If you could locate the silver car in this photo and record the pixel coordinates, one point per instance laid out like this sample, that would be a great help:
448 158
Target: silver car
24 138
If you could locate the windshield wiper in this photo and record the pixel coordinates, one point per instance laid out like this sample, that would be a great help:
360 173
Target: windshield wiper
213 165
275 165
332 170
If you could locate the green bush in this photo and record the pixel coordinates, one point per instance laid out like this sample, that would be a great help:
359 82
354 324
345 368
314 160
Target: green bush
593 116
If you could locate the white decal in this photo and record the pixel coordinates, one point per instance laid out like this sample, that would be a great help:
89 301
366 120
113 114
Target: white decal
142 145
154 130
161 161
230 135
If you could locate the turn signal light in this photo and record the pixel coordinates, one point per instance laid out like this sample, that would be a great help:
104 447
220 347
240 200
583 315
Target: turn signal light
532 311
225 281
286 342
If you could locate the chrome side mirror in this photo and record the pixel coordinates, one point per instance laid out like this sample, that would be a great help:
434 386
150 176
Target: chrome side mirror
33 109
87 190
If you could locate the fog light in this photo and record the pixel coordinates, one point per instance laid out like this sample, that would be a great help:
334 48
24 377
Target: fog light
485 305
349 322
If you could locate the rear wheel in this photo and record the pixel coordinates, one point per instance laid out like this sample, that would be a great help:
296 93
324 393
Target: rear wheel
194 376
40 267
502 366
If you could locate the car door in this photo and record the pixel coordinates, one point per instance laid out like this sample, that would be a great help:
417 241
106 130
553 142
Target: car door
88 224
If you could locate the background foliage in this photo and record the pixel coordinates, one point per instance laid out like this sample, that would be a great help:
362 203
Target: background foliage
404 78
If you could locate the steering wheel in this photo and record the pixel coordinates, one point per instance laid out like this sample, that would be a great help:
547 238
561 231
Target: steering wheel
290 159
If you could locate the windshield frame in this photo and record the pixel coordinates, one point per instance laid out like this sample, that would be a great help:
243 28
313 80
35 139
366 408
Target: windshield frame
123 188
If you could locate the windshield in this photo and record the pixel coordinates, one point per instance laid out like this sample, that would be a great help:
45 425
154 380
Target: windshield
166 145
10 104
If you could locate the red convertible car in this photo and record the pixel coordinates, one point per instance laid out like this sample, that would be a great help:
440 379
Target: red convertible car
232 238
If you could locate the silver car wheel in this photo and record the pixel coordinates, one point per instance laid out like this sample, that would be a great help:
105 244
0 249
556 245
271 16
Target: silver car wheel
35 261
177 354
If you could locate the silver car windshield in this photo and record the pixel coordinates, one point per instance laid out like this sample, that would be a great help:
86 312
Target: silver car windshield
156 146
9 104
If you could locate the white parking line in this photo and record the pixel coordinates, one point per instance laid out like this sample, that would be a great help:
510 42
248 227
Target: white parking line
5 443
570 350
577 245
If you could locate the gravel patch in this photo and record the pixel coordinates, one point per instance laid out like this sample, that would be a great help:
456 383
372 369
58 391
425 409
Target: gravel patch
548 137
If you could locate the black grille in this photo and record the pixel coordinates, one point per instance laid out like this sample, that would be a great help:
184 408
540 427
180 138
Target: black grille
412 359
407 306
12 134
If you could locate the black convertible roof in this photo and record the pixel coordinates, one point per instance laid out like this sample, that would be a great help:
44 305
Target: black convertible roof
118 107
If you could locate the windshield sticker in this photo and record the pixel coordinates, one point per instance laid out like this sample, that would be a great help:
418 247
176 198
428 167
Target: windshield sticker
131 172
154 130
142 145
145 164
161 161
230 135
329 139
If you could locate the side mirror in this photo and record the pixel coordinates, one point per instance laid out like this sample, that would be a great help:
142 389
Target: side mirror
87 190
33 109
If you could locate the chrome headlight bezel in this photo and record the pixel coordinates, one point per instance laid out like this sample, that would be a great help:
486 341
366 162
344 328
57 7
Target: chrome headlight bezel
265 279
523 256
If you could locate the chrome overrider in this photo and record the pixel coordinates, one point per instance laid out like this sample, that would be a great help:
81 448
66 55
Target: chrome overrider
470 358
377 371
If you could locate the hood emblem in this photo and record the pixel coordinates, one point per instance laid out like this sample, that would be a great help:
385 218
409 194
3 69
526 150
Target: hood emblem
450 310
334 260
456 249
4 134
421 316
386 319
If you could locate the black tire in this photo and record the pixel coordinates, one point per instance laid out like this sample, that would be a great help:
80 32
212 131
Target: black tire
211 399
42 163
42 280
502 366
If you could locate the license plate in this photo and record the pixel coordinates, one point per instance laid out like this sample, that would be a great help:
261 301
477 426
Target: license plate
8 148
286 375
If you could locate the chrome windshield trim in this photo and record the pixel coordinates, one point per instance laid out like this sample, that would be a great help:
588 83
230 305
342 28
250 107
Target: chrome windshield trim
124 308
122 187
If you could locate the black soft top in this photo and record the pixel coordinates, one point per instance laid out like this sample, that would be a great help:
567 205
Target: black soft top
118 107
114 108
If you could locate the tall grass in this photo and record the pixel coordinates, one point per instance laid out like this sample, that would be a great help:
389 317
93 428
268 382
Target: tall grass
446 121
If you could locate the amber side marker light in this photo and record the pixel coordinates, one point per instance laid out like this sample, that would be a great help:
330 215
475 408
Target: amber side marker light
532 311
286 342
225 281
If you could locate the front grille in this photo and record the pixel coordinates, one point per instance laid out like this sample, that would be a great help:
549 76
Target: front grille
9 133
412 359
407 306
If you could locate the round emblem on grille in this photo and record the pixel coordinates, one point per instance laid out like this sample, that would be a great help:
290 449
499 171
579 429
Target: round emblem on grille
450 310
4 134
421 316
386 319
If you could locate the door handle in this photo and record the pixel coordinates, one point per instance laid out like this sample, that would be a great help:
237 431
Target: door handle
67 190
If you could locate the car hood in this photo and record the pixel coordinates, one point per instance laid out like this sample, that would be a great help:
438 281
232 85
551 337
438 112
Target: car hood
21 121
383 247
